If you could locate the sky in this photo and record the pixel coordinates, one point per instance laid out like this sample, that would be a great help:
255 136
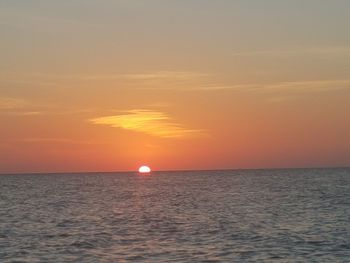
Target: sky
91 85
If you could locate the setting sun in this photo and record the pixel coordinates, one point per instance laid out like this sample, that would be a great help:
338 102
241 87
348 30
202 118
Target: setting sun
144 169
175 130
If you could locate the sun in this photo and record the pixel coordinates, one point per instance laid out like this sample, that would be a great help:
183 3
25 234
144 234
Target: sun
144 169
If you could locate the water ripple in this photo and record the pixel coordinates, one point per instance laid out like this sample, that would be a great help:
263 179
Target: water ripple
209 216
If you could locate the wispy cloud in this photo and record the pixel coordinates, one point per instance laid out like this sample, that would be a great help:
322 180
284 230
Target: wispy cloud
19 107
176 80
52 140
166 75
15 17
25 113
310 86
151 122
288 86
313 51
145 80
11 103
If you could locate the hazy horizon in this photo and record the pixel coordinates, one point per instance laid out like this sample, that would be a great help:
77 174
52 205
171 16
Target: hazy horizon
180 170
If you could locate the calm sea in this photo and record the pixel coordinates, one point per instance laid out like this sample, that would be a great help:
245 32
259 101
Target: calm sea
300 215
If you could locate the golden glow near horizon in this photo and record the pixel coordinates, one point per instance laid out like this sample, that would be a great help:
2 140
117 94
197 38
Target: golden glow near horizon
106 85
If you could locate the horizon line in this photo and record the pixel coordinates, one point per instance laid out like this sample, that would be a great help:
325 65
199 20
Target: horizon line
177 170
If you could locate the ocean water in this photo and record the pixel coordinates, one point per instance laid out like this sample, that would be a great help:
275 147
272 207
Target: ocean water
300 215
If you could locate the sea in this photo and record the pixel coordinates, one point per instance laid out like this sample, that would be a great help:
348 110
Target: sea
287 215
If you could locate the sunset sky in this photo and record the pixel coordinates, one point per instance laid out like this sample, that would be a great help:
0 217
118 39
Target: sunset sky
102 85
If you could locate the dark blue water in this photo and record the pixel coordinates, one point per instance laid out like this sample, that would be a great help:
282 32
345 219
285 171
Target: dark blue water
208 216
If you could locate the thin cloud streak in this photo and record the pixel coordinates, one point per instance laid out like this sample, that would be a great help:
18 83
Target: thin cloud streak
20 19
160 75
52 140
174 80
291 86
25 113
314 51
164 75
11 103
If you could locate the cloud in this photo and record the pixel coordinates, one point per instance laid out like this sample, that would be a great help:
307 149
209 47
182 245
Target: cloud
310 86
19 107
160 75
299 51
23 19
151 122
288 86
166 75
25 113
52 140
146 80
11 103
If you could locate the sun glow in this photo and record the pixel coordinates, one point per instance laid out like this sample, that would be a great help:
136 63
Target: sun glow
144 169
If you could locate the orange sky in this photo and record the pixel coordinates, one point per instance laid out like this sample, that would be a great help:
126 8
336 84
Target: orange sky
108 86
